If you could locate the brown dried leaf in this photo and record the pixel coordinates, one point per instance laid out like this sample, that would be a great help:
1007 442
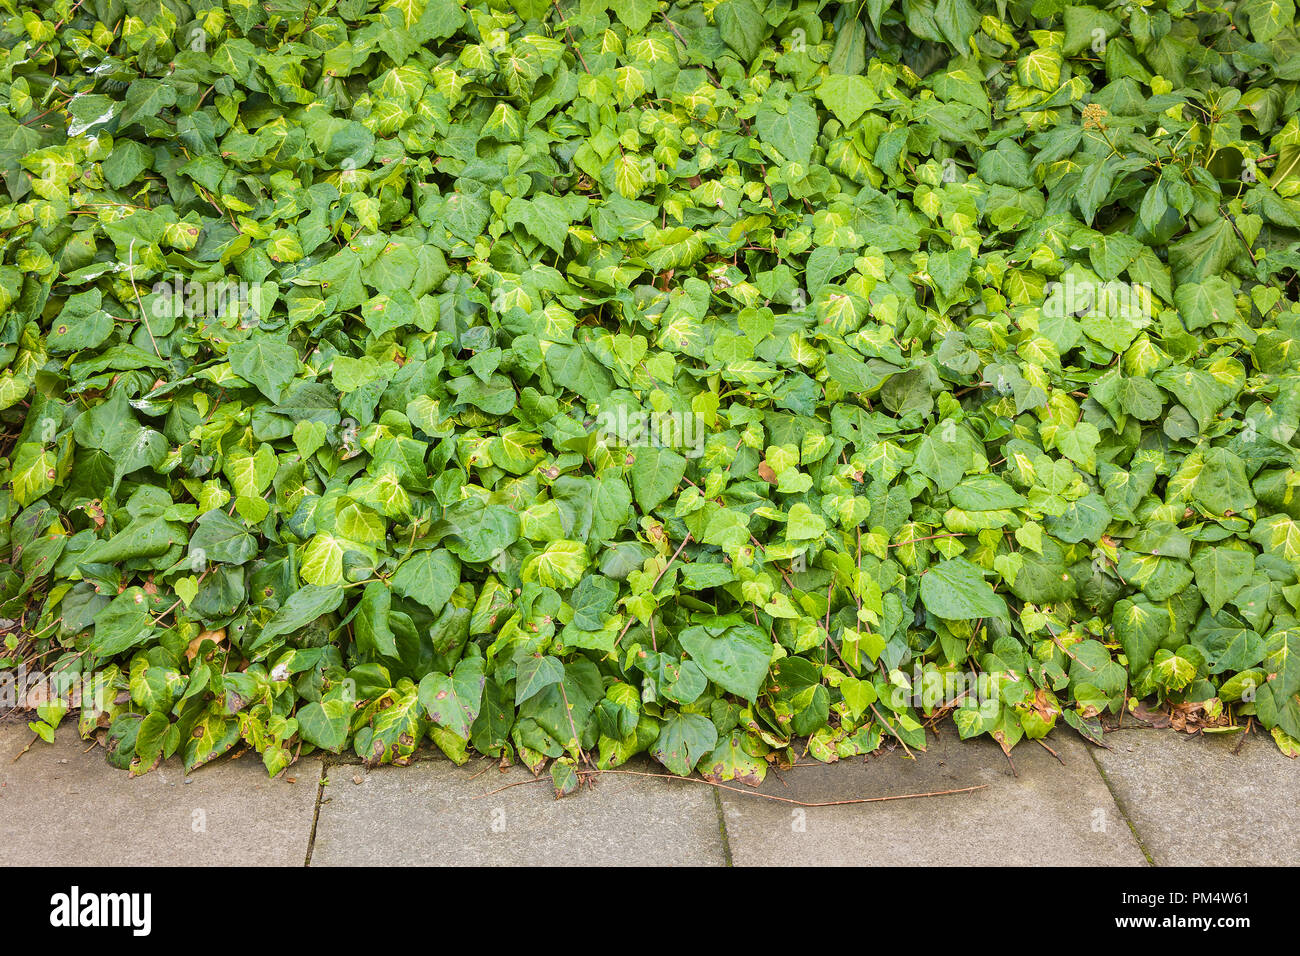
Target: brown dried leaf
217 637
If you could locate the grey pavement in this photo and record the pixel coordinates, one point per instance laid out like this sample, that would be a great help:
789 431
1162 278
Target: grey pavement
1199 801
1156 796
1058 812
433 812
63 806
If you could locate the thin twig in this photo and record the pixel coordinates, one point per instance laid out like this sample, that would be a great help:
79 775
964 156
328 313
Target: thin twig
897 735
35 738
1232 221
568 711
517 783
1007 754
798 803
830 589
1067 652
564 22
930 537
652 586
1052 752
144 313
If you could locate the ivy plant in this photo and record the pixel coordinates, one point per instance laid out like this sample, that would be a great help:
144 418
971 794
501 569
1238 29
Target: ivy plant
562 381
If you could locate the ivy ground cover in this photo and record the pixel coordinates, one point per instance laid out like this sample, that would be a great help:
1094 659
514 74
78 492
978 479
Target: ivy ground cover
720 381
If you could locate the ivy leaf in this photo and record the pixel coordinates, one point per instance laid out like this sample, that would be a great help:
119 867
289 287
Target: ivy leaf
1205 303
453 701
656 474
559 566
303 606
1222 487
848 97
731 761
324 723
736 659
218 537
428 577
547 217
684 740
956 590
82 324
534 675
742 27
146 98
124 623
791 127
267 362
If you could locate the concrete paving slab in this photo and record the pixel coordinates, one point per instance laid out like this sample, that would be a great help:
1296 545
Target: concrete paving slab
435 813
61 806
1195 802
1049 814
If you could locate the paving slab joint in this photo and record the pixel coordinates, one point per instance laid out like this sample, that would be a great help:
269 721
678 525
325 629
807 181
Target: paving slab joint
1119 805
722 828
